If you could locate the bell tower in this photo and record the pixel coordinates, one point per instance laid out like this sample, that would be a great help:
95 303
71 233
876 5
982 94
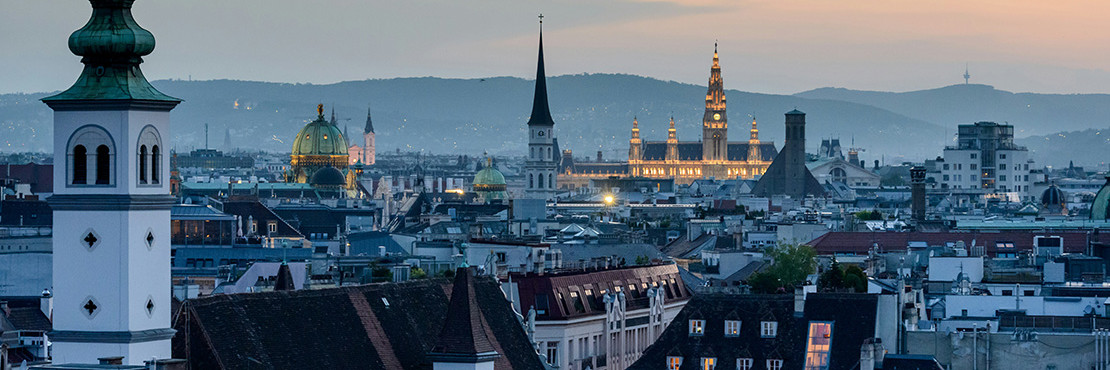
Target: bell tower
541 163
714 132
635 145
111 202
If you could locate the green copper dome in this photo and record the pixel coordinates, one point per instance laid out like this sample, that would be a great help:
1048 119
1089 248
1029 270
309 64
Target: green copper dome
1100 207
320 137
111 45
489 179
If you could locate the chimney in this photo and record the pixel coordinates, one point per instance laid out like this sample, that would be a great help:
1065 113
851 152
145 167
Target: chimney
917 191
867 356
799 301
46 304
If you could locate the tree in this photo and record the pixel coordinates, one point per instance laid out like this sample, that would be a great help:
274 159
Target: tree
832 279
872 215
417 273
792 264
855 278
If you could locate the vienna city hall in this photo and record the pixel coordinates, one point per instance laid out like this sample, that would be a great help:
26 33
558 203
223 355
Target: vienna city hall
684 161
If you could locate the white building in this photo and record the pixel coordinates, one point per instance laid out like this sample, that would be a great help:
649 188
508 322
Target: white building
111 203
986 162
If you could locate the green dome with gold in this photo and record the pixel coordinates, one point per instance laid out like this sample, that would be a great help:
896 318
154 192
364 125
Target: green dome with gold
320 137
1100 207
489 182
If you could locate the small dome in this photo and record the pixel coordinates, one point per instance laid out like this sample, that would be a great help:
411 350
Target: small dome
1052 196
320 137
328 176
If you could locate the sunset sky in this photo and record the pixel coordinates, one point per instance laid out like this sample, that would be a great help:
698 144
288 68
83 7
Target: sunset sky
770 46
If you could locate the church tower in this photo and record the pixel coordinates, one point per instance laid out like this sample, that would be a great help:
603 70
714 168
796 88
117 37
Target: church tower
111 202
541 163
714 134
754 155
368 153
672 144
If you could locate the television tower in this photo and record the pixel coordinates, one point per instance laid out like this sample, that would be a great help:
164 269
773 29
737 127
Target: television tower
967 76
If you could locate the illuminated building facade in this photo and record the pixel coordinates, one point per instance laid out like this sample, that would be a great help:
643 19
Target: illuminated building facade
685 161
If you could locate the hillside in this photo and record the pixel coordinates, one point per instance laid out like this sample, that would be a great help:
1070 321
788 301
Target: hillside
1031 114
592 111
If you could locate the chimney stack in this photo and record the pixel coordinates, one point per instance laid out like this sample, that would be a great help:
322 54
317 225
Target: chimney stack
917 188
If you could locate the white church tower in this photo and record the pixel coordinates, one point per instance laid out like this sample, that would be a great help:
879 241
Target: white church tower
543 153
111 198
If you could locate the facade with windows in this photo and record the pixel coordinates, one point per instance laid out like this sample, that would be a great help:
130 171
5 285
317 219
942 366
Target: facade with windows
600 319
758 332
985 161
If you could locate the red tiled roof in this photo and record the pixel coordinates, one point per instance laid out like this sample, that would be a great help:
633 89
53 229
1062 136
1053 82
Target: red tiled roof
40 176
861 242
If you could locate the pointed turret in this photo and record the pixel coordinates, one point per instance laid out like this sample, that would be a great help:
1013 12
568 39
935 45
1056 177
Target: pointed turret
284 278
754 153
635 145
672 134
465 335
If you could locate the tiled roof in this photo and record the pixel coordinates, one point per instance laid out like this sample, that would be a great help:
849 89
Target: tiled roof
28 318
377 326
861 242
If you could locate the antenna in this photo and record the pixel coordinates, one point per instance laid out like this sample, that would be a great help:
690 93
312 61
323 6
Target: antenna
967 76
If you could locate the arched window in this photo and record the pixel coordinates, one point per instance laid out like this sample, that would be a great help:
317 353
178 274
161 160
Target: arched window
150 159
142 164
86 142
531 181
103 165
549 153
80 165
539 184
155 159
839 175
550 181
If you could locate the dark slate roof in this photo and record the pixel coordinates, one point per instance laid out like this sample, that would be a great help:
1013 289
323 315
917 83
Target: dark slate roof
369 124
850 327
376 326
861 242
28 318
682 246
252 209
367 243
750 310
464 333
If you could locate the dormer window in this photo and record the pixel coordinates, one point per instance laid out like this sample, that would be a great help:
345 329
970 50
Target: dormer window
744 364
674 362
697 327
708 363
769 329
732 328
774 364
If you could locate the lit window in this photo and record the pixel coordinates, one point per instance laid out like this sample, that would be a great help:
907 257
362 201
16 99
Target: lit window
732 328
744 364
674 362
697 327
708 363
817 346
769 329
774 364
272 226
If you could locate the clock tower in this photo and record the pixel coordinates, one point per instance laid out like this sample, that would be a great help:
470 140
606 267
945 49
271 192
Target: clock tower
541 164
111 202
714 132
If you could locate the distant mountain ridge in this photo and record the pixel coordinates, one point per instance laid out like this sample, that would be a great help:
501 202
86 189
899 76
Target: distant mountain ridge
592 112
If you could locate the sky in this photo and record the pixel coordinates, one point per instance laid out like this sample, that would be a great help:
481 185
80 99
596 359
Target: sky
767 46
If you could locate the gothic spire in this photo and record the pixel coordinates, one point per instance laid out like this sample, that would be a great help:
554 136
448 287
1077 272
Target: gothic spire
672 135
541 113
369 129
635 128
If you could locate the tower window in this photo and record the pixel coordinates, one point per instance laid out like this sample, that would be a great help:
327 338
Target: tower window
531 181
103 165
155 159
80 165
142 164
